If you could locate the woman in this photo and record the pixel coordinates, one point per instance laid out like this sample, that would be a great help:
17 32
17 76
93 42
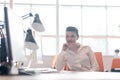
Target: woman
75 55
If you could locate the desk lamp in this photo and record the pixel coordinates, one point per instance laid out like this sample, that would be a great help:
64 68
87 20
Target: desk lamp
30 42
37 24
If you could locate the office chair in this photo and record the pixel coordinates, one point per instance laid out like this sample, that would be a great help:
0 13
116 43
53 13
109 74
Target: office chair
115 66
99 59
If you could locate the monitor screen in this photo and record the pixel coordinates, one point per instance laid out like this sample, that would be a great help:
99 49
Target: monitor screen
14 36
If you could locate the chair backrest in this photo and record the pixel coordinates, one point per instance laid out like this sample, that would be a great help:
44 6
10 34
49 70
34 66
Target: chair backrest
115 66
115 63
99 59
66 68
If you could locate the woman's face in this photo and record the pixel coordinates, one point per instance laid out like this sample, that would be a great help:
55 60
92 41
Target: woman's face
71 37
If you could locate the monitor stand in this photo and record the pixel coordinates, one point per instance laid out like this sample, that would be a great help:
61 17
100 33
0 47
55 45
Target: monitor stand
5 69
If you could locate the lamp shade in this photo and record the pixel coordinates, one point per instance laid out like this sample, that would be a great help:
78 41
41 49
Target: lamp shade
30 42
37 24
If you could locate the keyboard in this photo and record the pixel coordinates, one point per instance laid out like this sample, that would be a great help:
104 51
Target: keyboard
30 71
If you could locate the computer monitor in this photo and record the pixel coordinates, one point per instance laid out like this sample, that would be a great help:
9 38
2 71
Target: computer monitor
14 41
16 36
5 48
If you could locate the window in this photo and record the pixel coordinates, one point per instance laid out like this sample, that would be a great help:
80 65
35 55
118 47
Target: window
98 22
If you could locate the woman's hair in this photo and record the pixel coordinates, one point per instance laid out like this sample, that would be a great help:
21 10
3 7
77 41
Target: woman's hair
72 29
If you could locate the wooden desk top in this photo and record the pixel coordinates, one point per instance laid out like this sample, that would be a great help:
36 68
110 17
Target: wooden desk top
65 75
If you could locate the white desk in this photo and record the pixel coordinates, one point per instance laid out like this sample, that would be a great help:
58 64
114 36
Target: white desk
66 75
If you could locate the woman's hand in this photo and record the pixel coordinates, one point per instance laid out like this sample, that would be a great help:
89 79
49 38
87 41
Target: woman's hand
65 46
72 46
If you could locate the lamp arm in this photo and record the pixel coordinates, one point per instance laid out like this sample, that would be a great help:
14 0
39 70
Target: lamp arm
27 15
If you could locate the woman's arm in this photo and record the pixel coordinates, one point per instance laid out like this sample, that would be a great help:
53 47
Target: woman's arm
60 61
93 61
